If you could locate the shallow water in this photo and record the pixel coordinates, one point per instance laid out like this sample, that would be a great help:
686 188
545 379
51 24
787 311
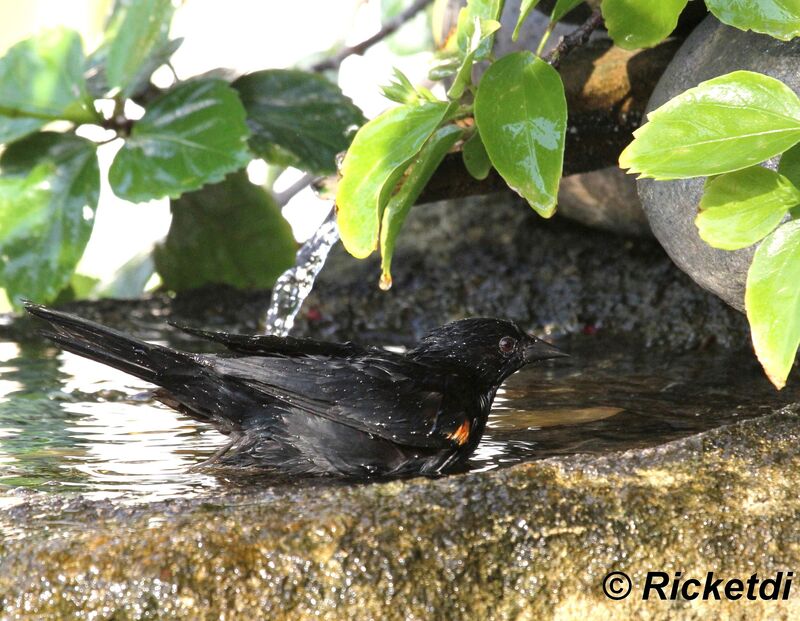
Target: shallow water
68 425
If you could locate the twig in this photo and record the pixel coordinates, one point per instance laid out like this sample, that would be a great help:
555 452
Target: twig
298 186
386 29
574 39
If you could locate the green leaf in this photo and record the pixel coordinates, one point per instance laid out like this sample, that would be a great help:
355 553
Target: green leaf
772 301
445 65
379 155
230 232
97 81
521 113
777 18
474 13
80 287
49 188
417 177
482 31
297 118
722 125
12 128
137 36
192 135
400 89
130 280
42 77
476 160
789 166
633 24
562 7
524 10
740 208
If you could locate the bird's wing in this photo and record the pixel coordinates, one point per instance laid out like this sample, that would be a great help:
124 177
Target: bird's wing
265 345
395 399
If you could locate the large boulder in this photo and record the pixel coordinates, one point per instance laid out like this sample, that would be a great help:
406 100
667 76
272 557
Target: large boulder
712 50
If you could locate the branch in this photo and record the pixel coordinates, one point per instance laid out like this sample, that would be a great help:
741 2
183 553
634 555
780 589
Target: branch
298 186
386 29
574 39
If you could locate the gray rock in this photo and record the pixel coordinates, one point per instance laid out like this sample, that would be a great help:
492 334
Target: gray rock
604 199
713 49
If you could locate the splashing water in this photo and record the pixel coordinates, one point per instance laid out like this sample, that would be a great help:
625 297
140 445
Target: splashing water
294 285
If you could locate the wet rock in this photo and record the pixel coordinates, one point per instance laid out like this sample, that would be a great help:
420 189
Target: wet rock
530 542
494 256
604 199
712 50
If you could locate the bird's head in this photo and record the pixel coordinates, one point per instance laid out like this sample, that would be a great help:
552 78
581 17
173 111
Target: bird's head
493 349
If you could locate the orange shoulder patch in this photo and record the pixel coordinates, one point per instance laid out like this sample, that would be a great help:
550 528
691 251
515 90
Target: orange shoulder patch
461 435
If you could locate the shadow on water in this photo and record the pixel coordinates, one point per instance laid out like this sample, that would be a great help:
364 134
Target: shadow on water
69 425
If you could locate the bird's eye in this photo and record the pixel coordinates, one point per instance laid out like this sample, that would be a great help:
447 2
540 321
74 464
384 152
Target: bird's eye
507 344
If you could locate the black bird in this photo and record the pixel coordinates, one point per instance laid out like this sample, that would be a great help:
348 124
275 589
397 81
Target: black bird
309 407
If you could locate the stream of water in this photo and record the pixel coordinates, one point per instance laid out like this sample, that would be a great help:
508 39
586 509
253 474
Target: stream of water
294 285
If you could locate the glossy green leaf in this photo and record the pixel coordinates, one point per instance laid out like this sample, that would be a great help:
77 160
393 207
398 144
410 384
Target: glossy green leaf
740 208
777 18
138 33
634 24
14 128
480 10
725 124
789 165
482 31
416 178
297 118
192 135
562 7
521 112
525 8
42 77
97 81
476 160
231 232
772 301
381 151
49 188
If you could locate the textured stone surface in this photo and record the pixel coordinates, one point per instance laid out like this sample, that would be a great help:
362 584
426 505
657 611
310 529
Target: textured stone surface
495 257
712 50
530 542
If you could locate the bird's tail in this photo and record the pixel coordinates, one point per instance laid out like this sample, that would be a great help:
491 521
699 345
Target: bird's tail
97 342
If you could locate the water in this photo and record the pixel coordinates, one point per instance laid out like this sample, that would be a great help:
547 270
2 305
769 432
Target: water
68 425
294 285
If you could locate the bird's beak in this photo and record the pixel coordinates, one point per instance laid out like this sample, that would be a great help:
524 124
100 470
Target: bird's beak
540 350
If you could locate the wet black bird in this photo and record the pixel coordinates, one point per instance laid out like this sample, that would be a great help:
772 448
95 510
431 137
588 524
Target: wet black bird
311 407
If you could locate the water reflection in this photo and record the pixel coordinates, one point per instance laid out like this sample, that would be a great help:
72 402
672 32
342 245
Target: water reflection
614 395
68 424
72 425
